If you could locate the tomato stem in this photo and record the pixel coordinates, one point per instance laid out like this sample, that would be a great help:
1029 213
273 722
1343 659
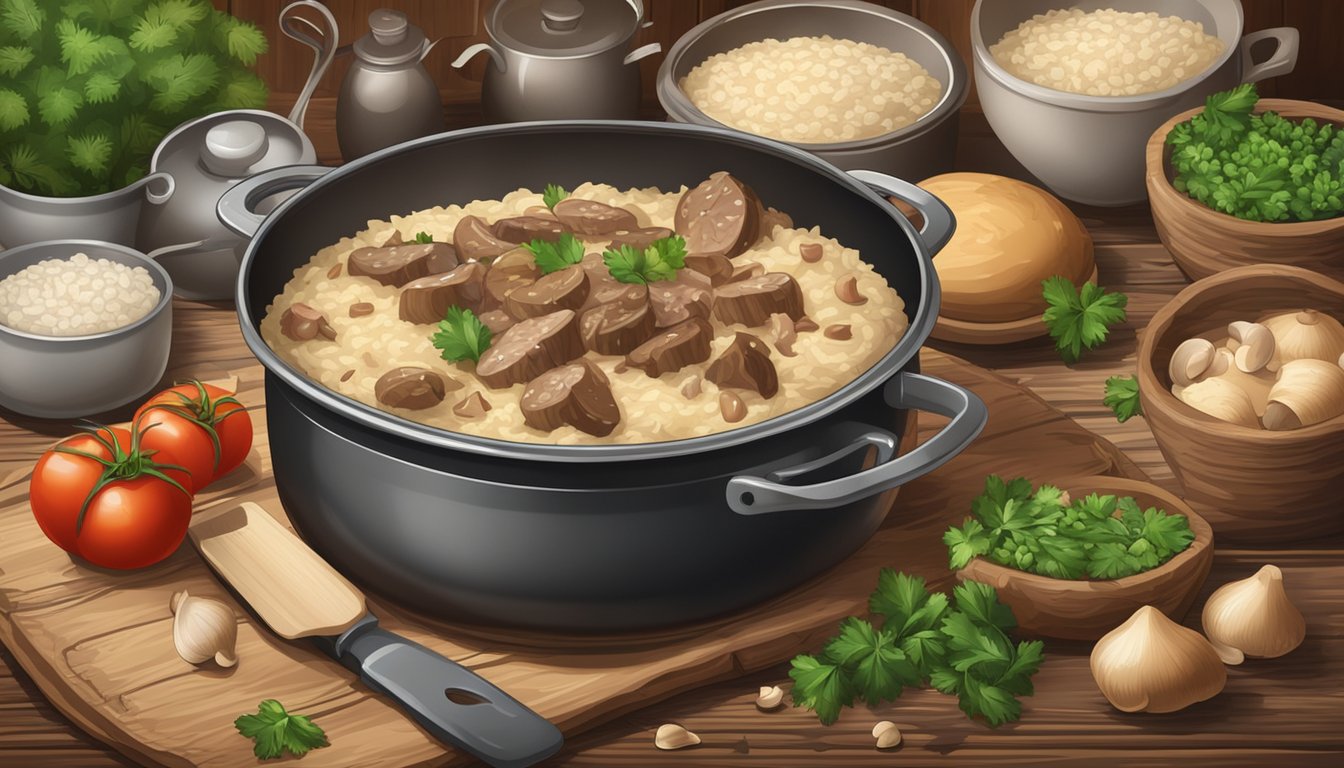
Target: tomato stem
125 465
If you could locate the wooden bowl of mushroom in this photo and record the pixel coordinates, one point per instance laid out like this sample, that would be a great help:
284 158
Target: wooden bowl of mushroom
1087 608
1241 378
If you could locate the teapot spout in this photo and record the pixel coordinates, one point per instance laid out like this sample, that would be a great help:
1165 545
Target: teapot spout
472 50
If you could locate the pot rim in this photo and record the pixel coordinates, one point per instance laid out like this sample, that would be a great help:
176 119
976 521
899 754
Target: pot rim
679 106
164 282
985 64
907 347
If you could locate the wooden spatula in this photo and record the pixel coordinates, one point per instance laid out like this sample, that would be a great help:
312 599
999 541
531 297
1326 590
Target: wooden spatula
299 595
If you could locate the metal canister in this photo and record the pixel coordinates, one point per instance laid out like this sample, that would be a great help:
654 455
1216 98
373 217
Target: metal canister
387 96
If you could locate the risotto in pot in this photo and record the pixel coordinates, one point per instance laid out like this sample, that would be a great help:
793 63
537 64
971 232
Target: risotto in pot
597 316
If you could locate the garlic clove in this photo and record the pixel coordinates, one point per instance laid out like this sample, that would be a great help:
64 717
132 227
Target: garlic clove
1223 400
1306 335
770 697
204 629
1254 617
1307 392
673 736
887 735
1257 345
1191 359
1152 664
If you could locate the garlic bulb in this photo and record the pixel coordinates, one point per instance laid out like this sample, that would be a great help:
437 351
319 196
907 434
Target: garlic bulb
1307 392
673 736
204 629
1190 360
1307 335
770 697
1223 400
1152 664
1254 617
887 735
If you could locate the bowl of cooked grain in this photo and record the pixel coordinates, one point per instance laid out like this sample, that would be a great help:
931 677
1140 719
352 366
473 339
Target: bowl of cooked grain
85 327
1074 93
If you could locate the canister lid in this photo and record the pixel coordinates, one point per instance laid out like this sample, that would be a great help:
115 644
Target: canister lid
391 40
561 28
232 148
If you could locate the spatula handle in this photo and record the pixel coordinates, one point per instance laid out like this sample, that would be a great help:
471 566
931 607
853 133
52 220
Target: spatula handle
450 701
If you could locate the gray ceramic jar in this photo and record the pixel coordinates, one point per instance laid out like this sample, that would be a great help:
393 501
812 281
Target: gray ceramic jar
561 60
387 96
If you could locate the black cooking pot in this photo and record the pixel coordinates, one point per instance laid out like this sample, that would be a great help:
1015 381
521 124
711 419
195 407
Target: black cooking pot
593 538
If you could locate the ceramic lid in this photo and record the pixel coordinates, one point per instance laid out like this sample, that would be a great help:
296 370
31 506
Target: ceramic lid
561 28
391 40
231 145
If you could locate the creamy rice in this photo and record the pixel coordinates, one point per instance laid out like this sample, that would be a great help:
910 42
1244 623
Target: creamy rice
1106 52
812 89
76 296
651 409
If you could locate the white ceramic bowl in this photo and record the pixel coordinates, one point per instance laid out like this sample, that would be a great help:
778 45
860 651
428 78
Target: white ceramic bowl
1090 149
61 377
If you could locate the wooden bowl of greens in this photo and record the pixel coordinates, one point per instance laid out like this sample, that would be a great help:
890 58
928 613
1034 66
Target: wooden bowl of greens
1212 220
1075 560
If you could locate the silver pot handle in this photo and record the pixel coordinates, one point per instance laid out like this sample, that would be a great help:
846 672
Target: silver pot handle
642 52
237 207
758 495
472 50
1281 62
939 223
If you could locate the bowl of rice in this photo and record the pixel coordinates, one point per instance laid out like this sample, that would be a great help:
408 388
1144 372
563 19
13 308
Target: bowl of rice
1074 92
861 86
85 327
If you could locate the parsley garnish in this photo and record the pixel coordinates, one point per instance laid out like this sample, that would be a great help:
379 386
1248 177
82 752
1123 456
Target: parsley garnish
660 261
916 637
1038 532
461 335
423 238
275 732
553 194
553 257
1122 397
1079 319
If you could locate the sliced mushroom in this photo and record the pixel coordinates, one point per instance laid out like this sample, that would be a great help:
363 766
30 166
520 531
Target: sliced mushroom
531 348
302 322
361 309
590 217
473 407
476 241
751 302
411 388
805 324
673 349
810 252
745 365
563 289
732 407
578 394
427 300
847 290
396 265
721 215
839 332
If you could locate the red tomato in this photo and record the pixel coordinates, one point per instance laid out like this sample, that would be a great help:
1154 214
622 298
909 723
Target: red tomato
132 517
201 425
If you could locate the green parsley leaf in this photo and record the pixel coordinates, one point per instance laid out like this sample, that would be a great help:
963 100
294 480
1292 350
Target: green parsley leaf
553 194
821 687
966 543
461 335
423 238
275 732
1168 534
1112 560
660 261
1122 397
1079 319
553 257
877 669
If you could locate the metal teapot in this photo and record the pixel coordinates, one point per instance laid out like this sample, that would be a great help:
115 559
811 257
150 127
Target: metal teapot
561 59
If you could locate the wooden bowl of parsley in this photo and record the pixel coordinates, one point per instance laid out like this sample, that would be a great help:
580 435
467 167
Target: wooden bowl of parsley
1075 560
1223 197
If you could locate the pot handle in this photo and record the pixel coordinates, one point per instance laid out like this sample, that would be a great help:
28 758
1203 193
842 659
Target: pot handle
237 207
939 223
758 495
642 52
472 50
1281 62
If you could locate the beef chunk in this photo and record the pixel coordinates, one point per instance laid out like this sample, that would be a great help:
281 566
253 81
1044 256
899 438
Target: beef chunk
498 321
525 229
473 407
475 241
302 322
531 348
427 300
639 239
745 365
397 265
673 349
617 327
565 289
412 388
512 270
675 301
717 267
720 216
751 302
578 394
590 217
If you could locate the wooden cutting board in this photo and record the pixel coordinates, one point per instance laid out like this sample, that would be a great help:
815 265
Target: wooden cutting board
99 644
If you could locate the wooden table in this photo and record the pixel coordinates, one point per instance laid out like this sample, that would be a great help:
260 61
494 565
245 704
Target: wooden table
34 735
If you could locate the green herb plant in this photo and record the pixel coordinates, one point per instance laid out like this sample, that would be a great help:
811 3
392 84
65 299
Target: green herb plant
423 238
553 194
1079 319
566 251
276 732
89 87
914 638
660 261
461 336
1122 397
1046 533
1258 167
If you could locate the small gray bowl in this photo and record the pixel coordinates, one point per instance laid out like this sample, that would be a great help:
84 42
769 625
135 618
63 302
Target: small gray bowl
62 377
